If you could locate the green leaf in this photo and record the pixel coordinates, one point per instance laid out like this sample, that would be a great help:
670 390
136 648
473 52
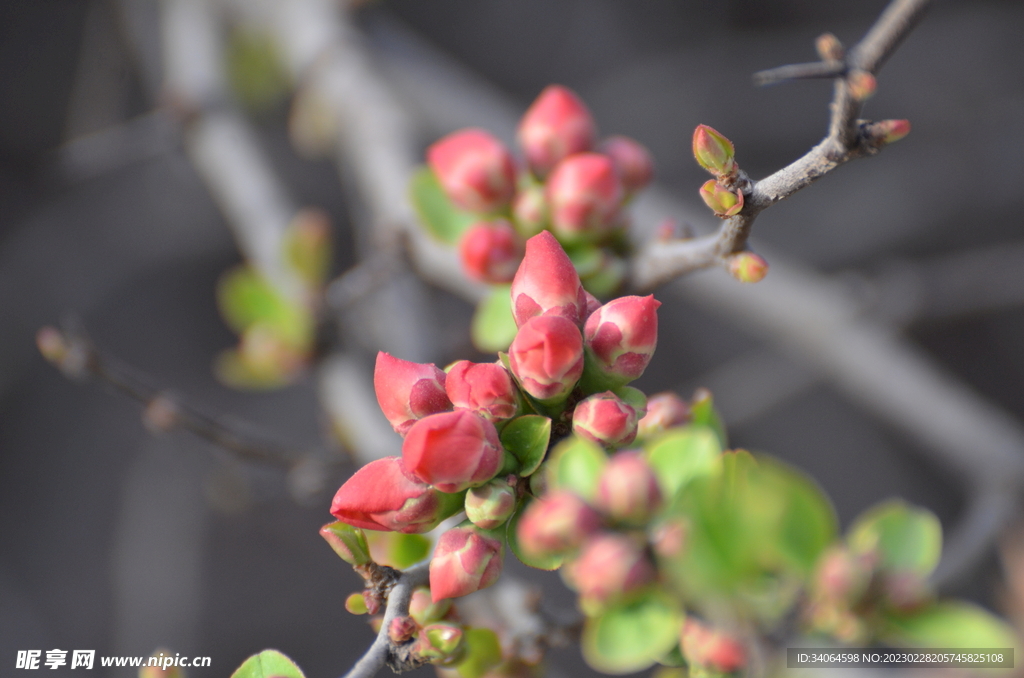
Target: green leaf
682 454
255 70
632 636
493 327
527 439
576 465
954 624
552 562
246 299
907 538
703 412
396 549
586 258
441 218
607 280
483 652
633 397
268 664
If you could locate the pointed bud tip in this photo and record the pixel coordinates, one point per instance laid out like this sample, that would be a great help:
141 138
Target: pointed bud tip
713 151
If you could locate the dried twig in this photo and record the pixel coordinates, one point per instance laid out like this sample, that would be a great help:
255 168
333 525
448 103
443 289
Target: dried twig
847 139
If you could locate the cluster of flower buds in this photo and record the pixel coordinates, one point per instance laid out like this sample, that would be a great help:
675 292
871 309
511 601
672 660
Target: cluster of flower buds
569 183
475 432
716 154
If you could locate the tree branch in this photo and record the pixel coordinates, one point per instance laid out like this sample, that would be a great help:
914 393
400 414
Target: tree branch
848 138
382 651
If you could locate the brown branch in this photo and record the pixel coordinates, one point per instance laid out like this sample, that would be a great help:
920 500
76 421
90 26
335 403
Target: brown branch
848 138
76 356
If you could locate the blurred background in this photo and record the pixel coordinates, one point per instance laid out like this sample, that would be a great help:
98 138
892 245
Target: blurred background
119 208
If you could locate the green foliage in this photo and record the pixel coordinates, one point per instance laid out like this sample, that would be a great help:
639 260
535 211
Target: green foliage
703 413
493 327
268 664
442 219
254 69
397 549
576 464
633 635
246 299
906 538
950 624
682 454
483 652
527 439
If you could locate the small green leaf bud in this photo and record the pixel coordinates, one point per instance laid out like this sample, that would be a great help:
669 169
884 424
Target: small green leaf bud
348 542
713 151
747 267
356 604
723 202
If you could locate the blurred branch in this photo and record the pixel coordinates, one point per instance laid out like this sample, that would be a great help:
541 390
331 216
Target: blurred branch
847 139
76 356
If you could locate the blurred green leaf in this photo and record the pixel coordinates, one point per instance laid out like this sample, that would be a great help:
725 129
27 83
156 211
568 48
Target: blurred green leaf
483 652
632 636
396 549
527 439
441 218
682 454
703 412
512 536
586 258
268 664
493 327
576 464
255 70
954 624
908 538
633 397
307 246
246 299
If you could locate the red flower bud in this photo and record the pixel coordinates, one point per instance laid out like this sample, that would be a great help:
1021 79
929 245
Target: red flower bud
557 522
713 151
593 303
628 489
382 496
710 648
605 419
610 566
584 194
748 267
664 410
491 251
475 170
490 505
402 629
547 283
453 450
555 126
632 162
465 560
547 357
408 391
622 335
484 388
723 202
530 209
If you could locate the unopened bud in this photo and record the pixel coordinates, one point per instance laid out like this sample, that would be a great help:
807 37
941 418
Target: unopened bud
530 209
438 642
829 48
713 151
348 542
408 391
722 201
711 648
664 410
424 610
584 193
402 629
547 357
475 170
547 283
905 591
490 505
605 419
356 604
556 523
862 84
887 131
453 450
747 267
484 388
610 566
620 338
628 490
841 576
466 560
632 161
555 126
491 251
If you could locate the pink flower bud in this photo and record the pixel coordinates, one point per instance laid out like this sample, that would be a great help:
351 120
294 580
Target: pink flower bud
664 410
475 170
424 610
547 357
610 566
593 303
632 162
556 523
408 391
584 194
453 450
547 283
491 251
382 496
484 388
490 505
747 267
402 629
555 126
465 560
605 419
622 335
530 209
713 151
628 489
709 648
887 131
862 85
723 202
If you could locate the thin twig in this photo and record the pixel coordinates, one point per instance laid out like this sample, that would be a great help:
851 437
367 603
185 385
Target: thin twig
382 649
73 352
848 138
